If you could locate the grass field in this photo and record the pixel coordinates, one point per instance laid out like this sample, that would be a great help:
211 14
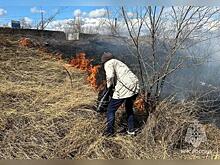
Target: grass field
44 116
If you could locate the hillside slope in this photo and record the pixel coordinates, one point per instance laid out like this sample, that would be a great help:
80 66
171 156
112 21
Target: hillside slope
38 105
43 116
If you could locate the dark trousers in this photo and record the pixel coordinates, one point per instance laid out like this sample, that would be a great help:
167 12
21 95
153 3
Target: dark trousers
113 107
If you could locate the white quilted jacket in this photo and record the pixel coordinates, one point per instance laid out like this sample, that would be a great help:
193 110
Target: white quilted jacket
127 83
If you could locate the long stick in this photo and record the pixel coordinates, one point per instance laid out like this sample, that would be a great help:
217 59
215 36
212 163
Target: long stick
71 81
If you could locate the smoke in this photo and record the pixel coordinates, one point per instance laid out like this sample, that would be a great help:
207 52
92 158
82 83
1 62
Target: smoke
201 72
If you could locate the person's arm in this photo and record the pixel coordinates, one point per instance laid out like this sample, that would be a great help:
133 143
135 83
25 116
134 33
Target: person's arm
109 70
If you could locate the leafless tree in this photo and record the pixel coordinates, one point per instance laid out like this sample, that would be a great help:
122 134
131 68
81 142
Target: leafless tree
113 17
46 21
166 31
25 24
72 26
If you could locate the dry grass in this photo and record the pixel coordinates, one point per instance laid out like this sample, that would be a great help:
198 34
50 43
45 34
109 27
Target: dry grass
43 117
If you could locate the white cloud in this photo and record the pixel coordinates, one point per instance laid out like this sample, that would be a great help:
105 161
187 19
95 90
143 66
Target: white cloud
212 25
91 22
77 13
2 12
28 20
59 25
36 10
84 13
97 13
90 25
130 14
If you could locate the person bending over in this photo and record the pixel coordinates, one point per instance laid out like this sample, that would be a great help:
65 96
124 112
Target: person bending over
126 89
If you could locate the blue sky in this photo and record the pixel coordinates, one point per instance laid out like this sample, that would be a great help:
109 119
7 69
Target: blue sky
18 12
106 2
60 2
17 9
29 9
31 12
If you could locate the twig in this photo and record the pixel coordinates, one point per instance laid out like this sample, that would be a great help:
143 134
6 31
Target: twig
71 80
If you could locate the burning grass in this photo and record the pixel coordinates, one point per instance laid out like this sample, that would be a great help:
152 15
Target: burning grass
26 42
81 62
44 117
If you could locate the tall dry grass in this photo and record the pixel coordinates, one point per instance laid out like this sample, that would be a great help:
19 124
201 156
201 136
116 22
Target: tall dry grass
43 117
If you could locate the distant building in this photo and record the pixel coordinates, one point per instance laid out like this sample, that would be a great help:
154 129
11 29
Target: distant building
15 24
72 36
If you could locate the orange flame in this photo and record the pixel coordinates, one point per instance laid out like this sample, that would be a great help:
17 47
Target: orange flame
93 71
82 63
139 104
26 42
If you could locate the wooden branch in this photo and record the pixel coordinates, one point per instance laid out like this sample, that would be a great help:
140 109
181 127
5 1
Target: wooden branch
68 73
